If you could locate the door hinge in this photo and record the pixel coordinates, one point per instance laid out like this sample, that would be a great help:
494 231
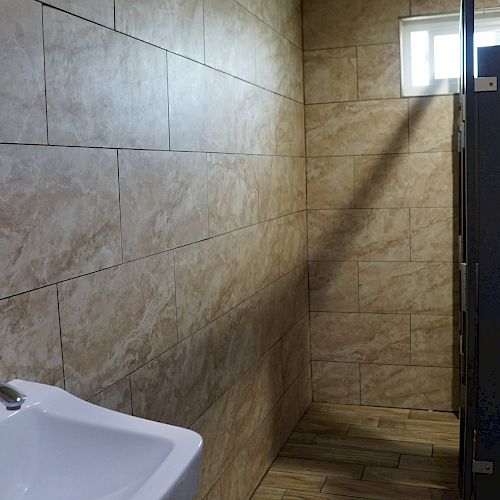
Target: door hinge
485 84
463 286
482 467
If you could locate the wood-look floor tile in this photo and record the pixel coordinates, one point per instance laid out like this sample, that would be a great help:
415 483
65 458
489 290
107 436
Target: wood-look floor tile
302 437
451 428
430 464
347 455
323 423
383 491
407 448
354 412
291 480
446 450
264 493
301 495
434 416
321 418
423 479
321 467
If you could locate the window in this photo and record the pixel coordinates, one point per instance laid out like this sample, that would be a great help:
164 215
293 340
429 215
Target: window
430 50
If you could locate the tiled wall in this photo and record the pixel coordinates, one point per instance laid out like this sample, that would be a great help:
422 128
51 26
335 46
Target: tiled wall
382 214
152 216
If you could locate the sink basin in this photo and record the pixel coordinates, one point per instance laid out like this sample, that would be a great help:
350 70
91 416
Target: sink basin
59 447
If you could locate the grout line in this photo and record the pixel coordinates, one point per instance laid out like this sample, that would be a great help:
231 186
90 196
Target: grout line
45 77
175 300
168 101
131 398
60 335
119 202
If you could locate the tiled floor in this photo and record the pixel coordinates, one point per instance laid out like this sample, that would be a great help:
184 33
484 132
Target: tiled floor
340 452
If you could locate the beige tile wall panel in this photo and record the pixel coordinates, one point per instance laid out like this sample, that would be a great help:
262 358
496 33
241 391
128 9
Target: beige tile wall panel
406 287
330 182
363 338
336 382
295 351
290 139
22 85
415 180
99 11
233 192
333 286
173 25
440 6
292 241
117 397
163 200
356 128
114 321
434 341
330 75
379 71
433 234
344 23
59 214
29 336
408 387
108 93
364 235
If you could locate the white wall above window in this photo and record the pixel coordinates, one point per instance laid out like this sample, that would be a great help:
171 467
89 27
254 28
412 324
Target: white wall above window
430 50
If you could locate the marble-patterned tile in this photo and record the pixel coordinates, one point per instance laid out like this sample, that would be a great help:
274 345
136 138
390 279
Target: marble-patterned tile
293 184
163 200
415 180
419 7
433 123
333 286
22 98
357 128
108 93
290 140
116 397
271 177
360 338
99 11
214 493
344 23
293 241
230 38
409 387
231 267
196 372
228 424
433 234
59 214
360 234
434 341
334 382
330 182
114 321
29 336
330 75
407 287
379 71
295 351
173 25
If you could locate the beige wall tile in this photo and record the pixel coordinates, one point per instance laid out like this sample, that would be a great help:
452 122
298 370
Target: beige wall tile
214 493
176 26
116 320
343 23
22 99
290 139
293 184
379 71
116 398
230 38
344 235
434 6
336 382
295 351
356 128
293 241
60 214
406 287
408 387
99 11
233 192
432 123
363 338
415 180
330 182
330 75
434 341
333 286
163 200
29 336
108 93
433 233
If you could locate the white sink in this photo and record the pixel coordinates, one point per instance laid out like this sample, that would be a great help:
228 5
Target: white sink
58 447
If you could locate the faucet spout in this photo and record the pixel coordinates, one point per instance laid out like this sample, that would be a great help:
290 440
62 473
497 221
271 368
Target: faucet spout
10 397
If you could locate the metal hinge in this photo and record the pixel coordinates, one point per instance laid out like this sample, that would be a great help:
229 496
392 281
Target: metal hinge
463 286
482 467
485 84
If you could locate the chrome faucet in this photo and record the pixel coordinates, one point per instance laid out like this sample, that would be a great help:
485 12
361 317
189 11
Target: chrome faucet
11 398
